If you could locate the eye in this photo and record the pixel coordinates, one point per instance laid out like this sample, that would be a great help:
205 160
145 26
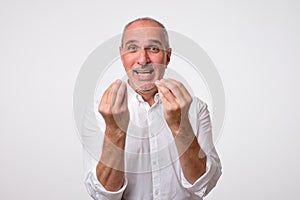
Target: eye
131 48
153 49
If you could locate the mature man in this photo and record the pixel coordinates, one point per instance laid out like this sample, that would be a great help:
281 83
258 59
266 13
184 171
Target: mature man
157 141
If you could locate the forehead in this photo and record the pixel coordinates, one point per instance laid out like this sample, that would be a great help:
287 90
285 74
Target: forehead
144 32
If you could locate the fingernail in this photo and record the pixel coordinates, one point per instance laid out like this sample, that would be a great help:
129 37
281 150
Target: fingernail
157 82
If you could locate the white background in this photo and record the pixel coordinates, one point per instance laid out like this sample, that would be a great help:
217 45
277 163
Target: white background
254 44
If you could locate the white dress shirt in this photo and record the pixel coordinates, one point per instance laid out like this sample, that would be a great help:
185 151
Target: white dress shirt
152 166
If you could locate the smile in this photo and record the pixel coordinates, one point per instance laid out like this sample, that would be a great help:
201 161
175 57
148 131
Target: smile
143 72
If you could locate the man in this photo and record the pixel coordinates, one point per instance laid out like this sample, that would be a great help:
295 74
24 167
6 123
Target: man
157 140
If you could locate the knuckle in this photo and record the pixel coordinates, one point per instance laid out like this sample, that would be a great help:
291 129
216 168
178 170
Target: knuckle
180 85
163 89
173 87
173 107
188 100
104 109
123 110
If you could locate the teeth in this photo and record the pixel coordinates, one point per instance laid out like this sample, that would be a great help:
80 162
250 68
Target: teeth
146 72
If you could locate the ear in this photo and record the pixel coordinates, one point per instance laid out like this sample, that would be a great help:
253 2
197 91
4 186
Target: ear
169 53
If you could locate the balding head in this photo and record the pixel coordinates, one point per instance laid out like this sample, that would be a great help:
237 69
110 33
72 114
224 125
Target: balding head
146 22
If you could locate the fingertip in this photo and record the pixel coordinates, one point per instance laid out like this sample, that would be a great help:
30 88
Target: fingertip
157 82
124 86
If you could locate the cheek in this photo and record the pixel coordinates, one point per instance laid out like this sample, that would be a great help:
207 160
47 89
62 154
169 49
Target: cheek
128 62
161 71
127 67
159 58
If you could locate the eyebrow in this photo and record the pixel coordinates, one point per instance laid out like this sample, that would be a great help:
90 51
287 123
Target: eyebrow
156 41
131 41
136 41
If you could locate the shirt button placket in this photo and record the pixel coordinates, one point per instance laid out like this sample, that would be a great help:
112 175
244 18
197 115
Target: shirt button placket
154 157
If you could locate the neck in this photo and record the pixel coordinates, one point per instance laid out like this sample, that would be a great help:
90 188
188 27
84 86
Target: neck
148 96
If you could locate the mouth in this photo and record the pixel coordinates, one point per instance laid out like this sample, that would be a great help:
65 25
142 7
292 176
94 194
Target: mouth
143 72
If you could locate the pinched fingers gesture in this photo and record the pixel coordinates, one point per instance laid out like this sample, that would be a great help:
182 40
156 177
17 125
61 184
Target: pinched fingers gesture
176 101
113 106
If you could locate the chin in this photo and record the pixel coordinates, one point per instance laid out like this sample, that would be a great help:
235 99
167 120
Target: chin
146 88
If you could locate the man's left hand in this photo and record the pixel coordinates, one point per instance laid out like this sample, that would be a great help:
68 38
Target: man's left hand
176 101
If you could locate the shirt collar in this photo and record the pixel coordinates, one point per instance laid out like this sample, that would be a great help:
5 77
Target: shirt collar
138 97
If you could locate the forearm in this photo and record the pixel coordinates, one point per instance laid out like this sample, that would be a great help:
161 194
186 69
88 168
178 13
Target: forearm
192 158
176 101
110 178
110 168
193 166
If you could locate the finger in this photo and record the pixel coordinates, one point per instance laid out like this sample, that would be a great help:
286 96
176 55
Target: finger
173 86
105 102
120 96
104 97
107 93
125 100
182 88
113 92
165 92
163 98
178 89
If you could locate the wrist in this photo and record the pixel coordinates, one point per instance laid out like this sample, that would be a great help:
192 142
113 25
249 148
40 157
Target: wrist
116 136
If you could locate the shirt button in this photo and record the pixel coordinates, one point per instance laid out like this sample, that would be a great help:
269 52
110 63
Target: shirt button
150 117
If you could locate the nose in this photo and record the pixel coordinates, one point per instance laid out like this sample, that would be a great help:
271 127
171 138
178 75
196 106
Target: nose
143 57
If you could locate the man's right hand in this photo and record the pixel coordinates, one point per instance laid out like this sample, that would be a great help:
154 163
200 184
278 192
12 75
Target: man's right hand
114 109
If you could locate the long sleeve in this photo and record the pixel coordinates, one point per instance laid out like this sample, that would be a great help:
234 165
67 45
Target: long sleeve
203 131
141 181
94 187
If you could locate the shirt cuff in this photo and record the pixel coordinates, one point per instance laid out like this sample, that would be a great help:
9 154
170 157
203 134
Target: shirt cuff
98 191
206 182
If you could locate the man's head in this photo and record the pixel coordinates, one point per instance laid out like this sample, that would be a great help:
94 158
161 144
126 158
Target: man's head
145 53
